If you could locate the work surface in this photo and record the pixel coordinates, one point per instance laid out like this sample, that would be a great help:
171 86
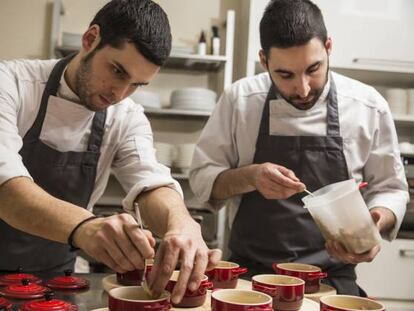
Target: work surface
96 297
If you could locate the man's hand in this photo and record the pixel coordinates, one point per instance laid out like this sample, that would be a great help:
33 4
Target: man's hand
116 241
276 182
337 251
182 245
384 219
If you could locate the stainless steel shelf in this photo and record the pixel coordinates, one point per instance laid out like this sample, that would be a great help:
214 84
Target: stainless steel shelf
405 119
177 112
175 61
196 62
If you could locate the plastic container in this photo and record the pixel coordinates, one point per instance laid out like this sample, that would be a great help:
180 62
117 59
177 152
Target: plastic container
342 215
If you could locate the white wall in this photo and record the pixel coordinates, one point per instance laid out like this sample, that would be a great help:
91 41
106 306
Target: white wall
24 28
25 24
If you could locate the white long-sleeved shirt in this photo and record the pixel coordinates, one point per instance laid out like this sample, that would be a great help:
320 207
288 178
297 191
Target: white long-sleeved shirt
127 147
370 142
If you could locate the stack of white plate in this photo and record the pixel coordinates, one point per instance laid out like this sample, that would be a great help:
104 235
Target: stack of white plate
406 148
410 101
184 156
164 153
192 98
146 99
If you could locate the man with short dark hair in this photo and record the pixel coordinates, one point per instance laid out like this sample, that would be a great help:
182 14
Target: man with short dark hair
297 126
64 125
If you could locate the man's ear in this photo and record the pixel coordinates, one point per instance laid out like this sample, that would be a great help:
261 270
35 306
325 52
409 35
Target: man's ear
91 38
328 45
263 59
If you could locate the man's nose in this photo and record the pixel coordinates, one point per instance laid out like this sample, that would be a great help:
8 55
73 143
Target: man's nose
303 88
120 92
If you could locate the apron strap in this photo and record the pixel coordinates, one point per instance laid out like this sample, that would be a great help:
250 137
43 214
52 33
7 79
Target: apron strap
97 131
264 123
332 115
51 88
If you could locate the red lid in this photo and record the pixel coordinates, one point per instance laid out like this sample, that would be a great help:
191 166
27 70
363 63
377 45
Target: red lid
26 290
68 282
4 303
48 304
16 278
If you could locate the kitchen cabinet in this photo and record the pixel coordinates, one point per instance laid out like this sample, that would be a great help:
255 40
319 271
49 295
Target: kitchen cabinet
369 35
391 275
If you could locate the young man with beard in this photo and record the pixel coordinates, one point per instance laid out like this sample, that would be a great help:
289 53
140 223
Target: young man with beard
297 125
64 125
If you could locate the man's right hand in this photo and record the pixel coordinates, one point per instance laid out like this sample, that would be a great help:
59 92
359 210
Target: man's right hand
117 241
275 181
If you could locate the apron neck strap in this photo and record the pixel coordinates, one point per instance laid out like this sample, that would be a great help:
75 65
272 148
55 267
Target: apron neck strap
51 88
97 131
332 115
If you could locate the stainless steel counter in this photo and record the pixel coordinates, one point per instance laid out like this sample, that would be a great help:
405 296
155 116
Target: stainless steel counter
93 298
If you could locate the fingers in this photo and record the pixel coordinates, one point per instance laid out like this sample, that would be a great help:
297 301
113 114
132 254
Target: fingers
164 265
190 250
118 242
337 251
138 240
123 262
277 182
186 269
200 265
288 173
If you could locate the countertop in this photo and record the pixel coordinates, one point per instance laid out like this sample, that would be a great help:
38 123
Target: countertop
93 298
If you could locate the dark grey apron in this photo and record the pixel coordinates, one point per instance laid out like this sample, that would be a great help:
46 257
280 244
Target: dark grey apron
267 231
69 176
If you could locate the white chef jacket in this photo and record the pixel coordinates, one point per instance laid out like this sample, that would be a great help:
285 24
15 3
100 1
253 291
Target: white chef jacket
127 146
366 125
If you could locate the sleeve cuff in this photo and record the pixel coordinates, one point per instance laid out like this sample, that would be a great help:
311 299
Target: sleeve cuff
396 203
12 169
142 186
202 181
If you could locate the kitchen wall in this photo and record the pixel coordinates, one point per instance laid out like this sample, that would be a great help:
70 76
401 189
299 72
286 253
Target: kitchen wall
25 25
25 29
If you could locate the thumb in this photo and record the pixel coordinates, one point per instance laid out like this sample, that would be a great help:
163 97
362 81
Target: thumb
150 238
376 217
214 256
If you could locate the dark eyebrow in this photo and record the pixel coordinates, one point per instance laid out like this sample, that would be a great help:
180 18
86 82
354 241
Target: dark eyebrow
125 72
314 64
284 71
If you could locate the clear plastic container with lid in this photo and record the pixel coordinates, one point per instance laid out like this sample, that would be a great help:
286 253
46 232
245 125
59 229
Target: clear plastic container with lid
341 214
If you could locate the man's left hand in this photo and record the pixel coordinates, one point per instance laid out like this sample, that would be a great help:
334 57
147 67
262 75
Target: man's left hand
186 246
384 219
